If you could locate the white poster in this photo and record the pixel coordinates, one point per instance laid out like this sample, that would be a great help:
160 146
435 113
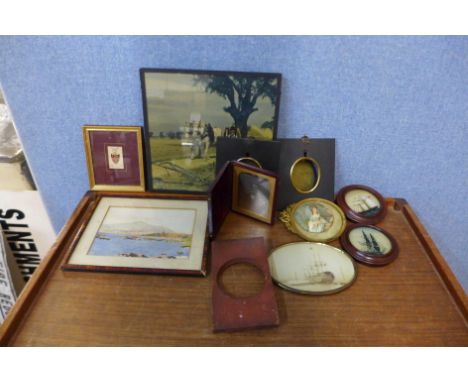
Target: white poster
26 228
7 290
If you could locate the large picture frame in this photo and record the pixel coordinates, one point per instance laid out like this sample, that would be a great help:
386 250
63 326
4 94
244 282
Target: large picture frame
114 155
185 111
141 233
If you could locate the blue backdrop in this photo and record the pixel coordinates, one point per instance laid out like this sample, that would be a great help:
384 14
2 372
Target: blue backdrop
397 106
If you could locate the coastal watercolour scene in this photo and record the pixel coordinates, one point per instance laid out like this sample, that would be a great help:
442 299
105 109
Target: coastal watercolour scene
145 233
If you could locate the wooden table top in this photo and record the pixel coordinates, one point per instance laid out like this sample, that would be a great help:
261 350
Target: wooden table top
414 301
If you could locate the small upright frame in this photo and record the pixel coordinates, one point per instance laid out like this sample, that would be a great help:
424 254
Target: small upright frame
115 158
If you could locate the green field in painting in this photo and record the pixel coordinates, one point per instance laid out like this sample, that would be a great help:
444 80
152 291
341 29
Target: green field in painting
173 169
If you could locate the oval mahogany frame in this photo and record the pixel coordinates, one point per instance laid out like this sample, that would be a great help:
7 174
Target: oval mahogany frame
366 257
356 216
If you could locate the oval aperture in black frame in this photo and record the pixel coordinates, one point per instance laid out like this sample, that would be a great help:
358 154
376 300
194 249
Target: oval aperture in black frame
305 174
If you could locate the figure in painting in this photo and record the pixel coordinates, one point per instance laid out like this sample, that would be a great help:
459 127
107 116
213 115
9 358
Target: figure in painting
316 223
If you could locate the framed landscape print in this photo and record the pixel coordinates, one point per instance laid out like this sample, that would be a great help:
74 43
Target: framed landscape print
186 111
143 235
115 157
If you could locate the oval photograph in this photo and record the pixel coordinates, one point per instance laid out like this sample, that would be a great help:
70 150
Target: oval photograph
311 268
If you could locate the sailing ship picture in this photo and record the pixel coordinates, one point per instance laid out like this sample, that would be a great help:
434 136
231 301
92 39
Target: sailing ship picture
363 202
370 241
317 273
311 268
186 112
144 233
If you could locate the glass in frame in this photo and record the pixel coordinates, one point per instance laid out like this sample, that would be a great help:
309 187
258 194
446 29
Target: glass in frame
254 192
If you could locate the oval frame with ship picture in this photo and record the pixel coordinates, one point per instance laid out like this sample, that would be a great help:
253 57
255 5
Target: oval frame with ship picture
314 219
312 268
369 244
362 204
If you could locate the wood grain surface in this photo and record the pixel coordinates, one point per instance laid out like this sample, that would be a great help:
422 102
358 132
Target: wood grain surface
414 301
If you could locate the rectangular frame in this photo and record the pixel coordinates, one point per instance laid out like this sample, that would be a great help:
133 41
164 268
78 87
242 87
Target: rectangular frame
137 224
105 174
186 110
261 193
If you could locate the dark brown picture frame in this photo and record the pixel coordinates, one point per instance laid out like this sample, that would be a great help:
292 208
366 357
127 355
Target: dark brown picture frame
85 218
179 140
356 216
254 192
367 257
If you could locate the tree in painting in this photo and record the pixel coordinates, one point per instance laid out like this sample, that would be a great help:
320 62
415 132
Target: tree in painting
242 92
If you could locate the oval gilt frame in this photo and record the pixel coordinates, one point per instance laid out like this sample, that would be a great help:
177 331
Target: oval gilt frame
316 167
324 271
289 215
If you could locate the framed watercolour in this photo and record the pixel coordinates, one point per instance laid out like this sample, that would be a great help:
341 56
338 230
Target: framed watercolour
314 219
140 234
369 244
187 110
115 157
362 204
312 268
